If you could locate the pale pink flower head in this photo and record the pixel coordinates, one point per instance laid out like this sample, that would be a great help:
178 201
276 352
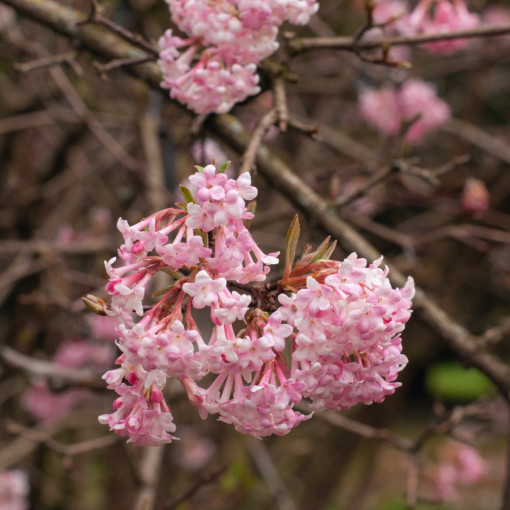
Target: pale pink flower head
389 13
14 489
419 103
380 108
475 198
204 289
459 465
442 16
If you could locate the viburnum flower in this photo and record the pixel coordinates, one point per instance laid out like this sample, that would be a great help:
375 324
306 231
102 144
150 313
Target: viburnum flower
328 331
227 39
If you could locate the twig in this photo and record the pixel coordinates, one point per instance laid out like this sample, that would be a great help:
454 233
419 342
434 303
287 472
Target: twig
377 178
350 43
495 334
280 100
363 430
97 129
122 62
149 472
479 138
69 450
42 247
68 58
210 478
135 39
413 471
50 370
270 474
253 145
312 130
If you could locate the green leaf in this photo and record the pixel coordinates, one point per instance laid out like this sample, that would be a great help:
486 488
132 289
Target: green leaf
199 168
224 166
291 241
323 250
186 193
451 381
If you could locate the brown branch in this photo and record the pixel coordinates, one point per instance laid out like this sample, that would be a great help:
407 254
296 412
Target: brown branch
42 63
479 138
250 153
45 247
375 179
271 475
149 471
352 44
69 450
50 370
280 100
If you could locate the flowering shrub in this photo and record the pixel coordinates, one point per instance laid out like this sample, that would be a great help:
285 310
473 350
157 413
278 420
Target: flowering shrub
227 39
338 323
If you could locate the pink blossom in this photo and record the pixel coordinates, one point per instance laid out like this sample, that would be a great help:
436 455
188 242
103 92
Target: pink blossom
416 102
229 38
441 16
475 198
459 465
204 289
14 489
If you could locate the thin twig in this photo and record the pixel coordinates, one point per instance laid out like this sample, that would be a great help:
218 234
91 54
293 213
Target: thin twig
69 450
149 472
122 62
68 58
50 370
210 478
350 43
253 145
271 476
375 179
280 100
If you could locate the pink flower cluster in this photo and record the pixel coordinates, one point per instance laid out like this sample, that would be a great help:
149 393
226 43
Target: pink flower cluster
216 66
427 17
415 103
340 328
13 490
460 465
439 17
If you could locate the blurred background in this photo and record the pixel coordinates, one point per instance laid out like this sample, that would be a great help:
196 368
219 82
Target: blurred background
81 146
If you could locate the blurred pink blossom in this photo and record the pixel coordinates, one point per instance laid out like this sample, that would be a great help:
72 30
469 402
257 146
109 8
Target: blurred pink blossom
459 465
13 490
416 102
475 197
439 17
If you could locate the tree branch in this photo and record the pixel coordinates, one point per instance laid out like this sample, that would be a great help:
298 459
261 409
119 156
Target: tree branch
353 44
